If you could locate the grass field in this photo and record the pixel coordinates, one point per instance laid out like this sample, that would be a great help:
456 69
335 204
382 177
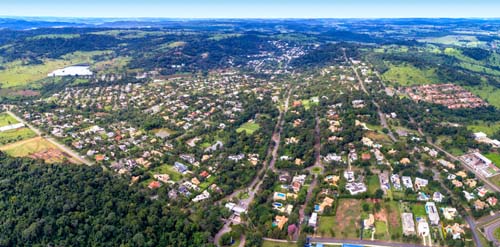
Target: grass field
378 137
6 119
16 135
488 128
18 75
326 226
347 219
114 65
167 169
394 216
494 157
176 44
248 127
418 210
461 40
381 230
481 66
495 180
410 75
54 36
37 146
489 93
308 102
276 244
373 184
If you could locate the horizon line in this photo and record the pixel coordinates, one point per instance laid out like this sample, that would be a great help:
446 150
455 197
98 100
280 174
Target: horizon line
240 18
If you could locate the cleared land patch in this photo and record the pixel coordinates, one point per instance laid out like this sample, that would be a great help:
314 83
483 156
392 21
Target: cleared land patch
347 219
460 40
37 148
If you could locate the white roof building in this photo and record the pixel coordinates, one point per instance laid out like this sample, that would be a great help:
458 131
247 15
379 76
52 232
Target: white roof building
408 223
432 212
313 220
76 70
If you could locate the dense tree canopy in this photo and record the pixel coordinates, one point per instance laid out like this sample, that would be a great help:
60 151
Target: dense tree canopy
68 205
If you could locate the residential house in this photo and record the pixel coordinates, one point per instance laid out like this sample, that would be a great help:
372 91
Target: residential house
313 220
203 196
280 221
181 168
408 224
407 182
437 197
420 183
432 213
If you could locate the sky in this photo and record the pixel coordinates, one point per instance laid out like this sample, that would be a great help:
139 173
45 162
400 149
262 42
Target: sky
253 8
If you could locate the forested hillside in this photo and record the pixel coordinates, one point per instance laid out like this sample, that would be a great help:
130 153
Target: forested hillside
67 205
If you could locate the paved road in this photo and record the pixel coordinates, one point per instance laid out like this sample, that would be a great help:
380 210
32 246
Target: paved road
317 163
489 231
278 130
63 147
254 186
490 223
383 120
362 242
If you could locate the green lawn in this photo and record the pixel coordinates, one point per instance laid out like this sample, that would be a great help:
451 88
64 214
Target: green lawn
494 157
6 119
167 169
456 151
374 127
277 244
326 226
373 184
497 233
418 210
248 127
407 75
317 170
495 180
381 231
16 135
308 102
208 182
